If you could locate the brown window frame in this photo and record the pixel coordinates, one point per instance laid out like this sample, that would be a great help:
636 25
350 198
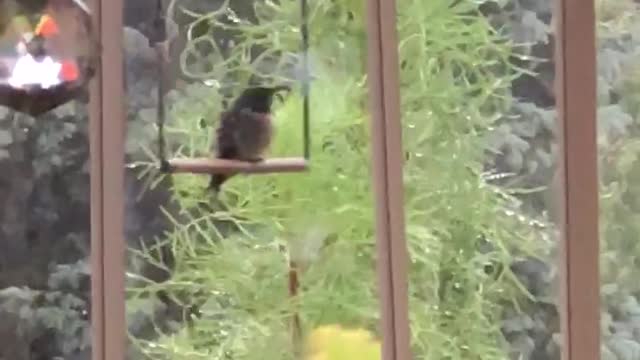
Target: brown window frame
576 94
387 163
576 98
107 134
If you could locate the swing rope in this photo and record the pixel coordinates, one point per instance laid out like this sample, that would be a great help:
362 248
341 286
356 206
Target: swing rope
304 30
160 36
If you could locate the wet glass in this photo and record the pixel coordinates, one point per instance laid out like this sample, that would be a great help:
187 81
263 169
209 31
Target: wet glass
45 286
479 120
273 264
617 70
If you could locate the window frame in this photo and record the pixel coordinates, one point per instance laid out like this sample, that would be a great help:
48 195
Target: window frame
576 99
575 59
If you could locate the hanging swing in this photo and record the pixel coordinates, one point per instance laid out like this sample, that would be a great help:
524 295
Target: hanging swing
211 165
47 66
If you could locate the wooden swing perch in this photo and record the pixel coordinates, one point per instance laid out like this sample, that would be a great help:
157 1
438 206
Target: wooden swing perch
214 166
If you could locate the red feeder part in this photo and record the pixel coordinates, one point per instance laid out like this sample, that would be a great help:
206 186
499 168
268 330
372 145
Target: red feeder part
47 27
69 71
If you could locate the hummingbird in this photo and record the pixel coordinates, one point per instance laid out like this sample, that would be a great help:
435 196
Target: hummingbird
245 130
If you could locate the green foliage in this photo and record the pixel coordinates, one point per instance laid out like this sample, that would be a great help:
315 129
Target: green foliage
615 16
324 219
619 150
58 313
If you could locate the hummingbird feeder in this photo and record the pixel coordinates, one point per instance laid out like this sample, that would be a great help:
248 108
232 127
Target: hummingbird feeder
47 55
211 165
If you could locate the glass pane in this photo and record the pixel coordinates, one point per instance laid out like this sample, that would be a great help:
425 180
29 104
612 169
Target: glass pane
479 122
618 140
211 275
45 285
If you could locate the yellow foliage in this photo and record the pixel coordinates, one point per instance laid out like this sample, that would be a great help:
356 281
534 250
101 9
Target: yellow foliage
333 342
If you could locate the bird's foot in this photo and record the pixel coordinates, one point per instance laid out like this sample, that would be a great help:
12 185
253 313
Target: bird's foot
255 160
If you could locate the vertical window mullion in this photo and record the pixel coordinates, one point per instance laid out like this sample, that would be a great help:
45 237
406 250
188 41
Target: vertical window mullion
387 159
576 98
107 187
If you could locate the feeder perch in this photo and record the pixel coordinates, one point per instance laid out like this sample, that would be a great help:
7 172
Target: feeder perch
213 166
48 63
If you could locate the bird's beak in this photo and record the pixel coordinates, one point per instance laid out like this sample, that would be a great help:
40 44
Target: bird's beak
281 88
277 91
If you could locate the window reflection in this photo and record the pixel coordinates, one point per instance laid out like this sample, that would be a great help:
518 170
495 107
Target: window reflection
45 287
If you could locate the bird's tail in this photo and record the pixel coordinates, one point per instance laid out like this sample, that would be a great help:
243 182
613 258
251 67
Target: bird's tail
217 180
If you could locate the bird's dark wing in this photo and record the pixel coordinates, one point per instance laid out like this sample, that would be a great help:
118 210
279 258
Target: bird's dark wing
241 135
227 148
253 134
